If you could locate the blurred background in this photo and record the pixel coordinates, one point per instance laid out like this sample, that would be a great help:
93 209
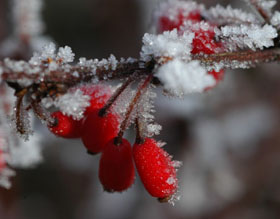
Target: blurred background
227 138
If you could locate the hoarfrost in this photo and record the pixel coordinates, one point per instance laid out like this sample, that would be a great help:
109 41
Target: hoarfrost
248 36
229 15
168 44
122 102
5 175
172 7
65 54
73 104
181 78
26 154
145 112
275 20
27 17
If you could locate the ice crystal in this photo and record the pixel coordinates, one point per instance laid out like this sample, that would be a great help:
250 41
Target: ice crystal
73 104
145 114
275 20
248 36
5 175
229 15
181 78
171 9
168 44
26 154
27 17
65 54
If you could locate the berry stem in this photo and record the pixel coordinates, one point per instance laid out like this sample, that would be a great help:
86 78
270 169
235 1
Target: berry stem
18 117
141 89
254 4
104 110
42 114
267 55
139 139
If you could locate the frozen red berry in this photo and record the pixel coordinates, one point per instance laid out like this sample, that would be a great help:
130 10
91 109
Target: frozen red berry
65 126
155 169
168 23
99 95
204 41
2 160
97 131
116 168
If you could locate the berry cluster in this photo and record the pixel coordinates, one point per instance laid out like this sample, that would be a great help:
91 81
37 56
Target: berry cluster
204 41
100 132
101 129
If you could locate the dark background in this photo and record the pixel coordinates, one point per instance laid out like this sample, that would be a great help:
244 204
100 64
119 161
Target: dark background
228 138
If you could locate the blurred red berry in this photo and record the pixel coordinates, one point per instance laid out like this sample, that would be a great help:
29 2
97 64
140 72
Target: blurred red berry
97 131
116 168
204 40
99 94
155 169
166 23
65 126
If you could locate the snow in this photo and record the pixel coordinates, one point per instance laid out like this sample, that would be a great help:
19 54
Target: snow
181 78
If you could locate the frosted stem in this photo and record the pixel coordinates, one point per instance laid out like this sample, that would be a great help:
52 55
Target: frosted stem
259 56
103 111
20 125
141 90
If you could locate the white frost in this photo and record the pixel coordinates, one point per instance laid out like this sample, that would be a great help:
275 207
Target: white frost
26 154
248 36
275 20
65 54
182 78
73 104
168 44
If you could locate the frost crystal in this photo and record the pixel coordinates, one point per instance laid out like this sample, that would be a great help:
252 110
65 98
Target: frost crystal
73 104
248 36
181 78
229 15
275 20
168 44
173 7
26 154
65 54
27 17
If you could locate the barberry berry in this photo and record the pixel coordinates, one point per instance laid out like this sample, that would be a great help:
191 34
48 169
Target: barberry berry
65 126
2 161
99 94
204 40
116 168
155 169
166 23
97 130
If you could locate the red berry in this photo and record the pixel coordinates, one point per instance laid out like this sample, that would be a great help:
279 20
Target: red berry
99 96
155 169
97 131
204 40
168 24
116 168
2 160
65 126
